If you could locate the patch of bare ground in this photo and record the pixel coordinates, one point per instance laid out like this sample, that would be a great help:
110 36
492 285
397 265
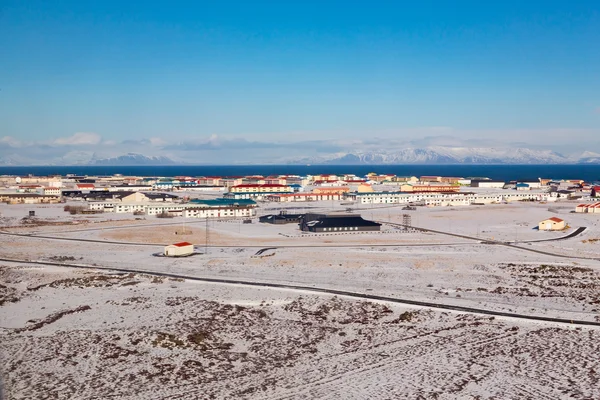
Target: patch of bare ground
98 280
174 346
35 325
8 294
546 280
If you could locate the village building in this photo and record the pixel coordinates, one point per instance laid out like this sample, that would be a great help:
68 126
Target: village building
260 188
429 188
425 179
588 208
331 190
293 197
29 198
445 199
219 212
179 249
365 188
552 224
487 183
451 180
85 186
231 181
51 191
405 179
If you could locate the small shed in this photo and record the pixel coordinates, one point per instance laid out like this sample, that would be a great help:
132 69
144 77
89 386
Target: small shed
552 224
179 249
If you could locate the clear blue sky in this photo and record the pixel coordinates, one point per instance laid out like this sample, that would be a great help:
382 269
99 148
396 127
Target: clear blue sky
264 69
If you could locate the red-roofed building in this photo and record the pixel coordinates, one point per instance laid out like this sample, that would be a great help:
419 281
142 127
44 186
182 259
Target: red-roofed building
258 188
179 249
85 186
552 224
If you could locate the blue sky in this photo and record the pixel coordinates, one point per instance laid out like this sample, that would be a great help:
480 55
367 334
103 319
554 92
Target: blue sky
272 71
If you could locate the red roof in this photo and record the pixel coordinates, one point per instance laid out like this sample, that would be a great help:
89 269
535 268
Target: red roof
86 185
555 219
182 244
253 185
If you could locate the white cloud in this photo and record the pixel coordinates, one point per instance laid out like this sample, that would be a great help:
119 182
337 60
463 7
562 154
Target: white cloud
10 141
157 141
79 139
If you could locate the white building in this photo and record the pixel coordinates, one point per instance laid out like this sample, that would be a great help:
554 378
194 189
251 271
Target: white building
179 249
444 199
219 212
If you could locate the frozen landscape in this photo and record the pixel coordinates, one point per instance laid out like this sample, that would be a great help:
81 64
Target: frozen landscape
269 330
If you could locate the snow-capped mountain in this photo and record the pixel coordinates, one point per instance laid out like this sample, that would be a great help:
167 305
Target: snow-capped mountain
133 159
589 157
445 155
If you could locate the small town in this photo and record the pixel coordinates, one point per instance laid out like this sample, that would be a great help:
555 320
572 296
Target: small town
299 200
518 256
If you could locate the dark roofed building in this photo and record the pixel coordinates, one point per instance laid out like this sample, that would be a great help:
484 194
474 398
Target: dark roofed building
281 218
337 223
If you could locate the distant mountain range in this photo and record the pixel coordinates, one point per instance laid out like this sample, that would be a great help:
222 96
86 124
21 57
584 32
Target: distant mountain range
452 155
408 155
133 159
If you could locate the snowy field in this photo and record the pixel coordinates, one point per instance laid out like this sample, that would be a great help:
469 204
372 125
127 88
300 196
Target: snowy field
79 334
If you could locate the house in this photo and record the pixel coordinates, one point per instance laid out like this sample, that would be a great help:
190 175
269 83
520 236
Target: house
179 249
552 224
588 208
365 188
522 186
595 191
335 223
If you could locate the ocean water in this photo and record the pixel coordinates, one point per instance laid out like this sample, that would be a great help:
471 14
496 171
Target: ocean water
500 172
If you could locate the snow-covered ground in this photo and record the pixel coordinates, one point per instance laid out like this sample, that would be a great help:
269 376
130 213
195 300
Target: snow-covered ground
134 340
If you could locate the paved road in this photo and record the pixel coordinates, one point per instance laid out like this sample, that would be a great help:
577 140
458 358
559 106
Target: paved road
508 244
319 290
474 240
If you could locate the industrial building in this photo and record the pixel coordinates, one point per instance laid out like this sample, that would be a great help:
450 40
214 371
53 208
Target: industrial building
179 249
334 223
281 218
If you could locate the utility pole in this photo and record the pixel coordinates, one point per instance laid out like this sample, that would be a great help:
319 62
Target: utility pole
206 234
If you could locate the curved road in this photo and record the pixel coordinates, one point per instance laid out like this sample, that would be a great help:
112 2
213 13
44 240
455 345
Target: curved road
358 245
345 293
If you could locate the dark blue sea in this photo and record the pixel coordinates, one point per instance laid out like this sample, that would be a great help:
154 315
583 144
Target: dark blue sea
499 172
